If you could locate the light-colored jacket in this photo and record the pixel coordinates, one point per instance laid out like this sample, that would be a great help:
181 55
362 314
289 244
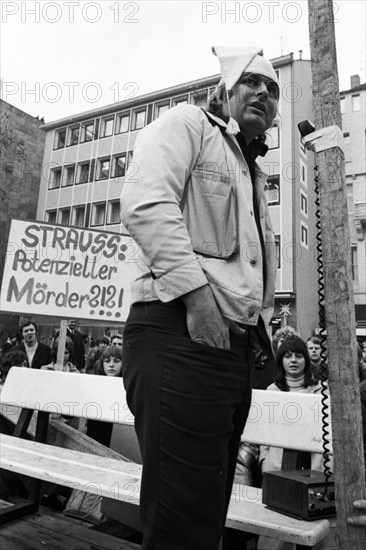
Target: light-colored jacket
187 201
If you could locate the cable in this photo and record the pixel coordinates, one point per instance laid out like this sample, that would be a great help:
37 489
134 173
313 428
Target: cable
322 335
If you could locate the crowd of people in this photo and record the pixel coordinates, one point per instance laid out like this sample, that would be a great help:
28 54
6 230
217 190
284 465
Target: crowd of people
24 349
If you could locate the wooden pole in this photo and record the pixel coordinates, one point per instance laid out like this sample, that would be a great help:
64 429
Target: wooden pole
339 305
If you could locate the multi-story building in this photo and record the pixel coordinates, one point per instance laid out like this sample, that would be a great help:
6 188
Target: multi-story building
86 157
22 146
353 109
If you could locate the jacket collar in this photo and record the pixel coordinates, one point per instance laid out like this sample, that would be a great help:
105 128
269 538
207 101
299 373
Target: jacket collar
260 176
255 147
216 119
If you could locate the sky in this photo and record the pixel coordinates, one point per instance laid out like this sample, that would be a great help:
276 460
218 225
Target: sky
66 57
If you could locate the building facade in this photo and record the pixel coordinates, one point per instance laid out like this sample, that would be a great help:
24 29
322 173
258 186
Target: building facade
353 109
86 157
22 146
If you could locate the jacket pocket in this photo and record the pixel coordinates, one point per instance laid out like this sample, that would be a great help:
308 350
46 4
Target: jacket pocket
210 213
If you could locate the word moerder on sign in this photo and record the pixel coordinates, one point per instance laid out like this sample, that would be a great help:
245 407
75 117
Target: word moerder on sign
68 272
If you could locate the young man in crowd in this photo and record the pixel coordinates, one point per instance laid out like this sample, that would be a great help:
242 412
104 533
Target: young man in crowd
314 348
38 354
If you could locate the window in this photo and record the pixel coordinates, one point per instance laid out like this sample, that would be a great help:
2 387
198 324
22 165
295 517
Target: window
78 216
55 178
273 136
303 173
304 204
119 166
346 138
356 102
103 169
69 176
74 135
272 190
98 215
107 126
200 98
60 139
87 131
182 100
123 123
64 216
350 202
92 173
51 216
114 215
96 128
354 263
278 250
161 108
304 235
138 119
83 172
343 105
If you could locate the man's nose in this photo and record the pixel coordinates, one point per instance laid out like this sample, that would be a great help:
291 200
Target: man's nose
262 89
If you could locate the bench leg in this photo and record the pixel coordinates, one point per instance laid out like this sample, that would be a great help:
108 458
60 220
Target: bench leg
24 419
41 436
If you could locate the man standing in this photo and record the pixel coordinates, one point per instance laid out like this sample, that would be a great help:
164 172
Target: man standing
78 344
314 349
117 340
38 354
198 212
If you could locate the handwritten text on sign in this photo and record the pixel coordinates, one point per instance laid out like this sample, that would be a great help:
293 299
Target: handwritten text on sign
68 272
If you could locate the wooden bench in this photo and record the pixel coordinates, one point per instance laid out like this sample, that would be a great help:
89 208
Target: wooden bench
285 419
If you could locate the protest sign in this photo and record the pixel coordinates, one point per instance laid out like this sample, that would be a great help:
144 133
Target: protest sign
68 272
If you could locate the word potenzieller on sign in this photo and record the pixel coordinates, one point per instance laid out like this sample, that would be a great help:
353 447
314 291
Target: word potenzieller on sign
67 272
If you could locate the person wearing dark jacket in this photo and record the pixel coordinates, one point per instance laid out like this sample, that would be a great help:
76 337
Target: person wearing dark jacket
12 342
38 354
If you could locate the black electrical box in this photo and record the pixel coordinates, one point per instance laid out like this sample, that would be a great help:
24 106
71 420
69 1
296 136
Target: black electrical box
299 494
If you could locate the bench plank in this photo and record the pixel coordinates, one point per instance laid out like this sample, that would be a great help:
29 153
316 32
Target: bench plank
102 398
121 481
288 420
291 421
95 474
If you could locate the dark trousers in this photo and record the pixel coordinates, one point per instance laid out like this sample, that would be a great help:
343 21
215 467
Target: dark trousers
190 403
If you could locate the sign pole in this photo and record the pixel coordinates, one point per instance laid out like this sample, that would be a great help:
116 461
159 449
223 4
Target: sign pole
61 345
339 305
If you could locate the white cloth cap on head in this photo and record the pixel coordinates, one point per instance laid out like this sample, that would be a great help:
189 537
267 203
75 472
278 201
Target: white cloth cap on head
234 60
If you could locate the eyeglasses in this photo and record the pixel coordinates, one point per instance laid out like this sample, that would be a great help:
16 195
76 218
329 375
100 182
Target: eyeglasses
255 80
